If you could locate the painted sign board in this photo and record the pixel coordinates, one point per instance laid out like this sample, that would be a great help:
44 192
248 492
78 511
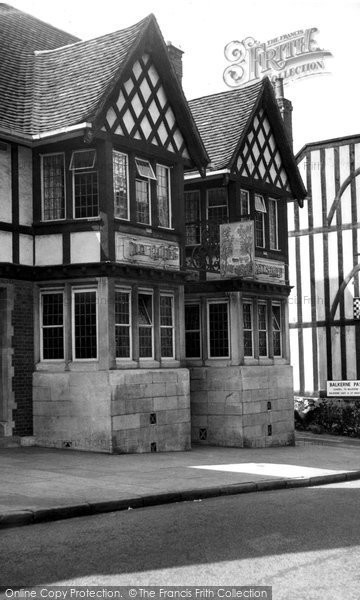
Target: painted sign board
237 249
349 388
272 271
147 252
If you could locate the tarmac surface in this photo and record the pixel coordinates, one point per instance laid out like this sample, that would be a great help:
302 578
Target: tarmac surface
43 484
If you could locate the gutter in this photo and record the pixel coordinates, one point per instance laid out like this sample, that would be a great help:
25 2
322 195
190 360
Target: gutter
28 139
189 176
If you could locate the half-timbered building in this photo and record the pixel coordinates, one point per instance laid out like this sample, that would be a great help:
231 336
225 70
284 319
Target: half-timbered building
324 267
236 311
95 138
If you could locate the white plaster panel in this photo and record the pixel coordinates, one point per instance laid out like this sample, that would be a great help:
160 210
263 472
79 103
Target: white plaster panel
25 186
6 254
305 279
316 188
330 179
304 216
5 186
293 299
322 357
308 360
350 353
294 357
85 247
336 353
49 249
319 275
302 169
333 268
345 202
357 179
291 215
26 243
347 267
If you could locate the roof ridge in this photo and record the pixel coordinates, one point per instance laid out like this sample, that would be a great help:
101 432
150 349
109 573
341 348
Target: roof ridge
243 89
142 22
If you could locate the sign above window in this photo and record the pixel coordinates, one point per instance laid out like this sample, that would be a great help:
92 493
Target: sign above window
144 169
82 159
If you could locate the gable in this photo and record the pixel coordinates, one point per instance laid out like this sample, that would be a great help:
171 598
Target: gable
142 110
259 156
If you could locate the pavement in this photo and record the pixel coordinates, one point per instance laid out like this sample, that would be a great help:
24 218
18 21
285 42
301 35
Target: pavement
43 484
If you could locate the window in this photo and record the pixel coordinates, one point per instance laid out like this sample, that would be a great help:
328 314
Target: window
192 218
218 329
263 329
144 169
84 325
244 203
53 186
85 184
192 331
273 224
276 329
166 326
248 329
121 185
146 325
260 209
52 326
217 205
163 195
142 192
123 324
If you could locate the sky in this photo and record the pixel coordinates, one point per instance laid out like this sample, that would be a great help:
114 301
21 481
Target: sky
324 106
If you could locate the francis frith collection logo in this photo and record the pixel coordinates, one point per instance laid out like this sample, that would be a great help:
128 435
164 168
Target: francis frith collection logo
290 56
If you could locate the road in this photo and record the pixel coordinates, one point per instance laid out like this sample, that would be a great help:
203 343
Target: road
305 543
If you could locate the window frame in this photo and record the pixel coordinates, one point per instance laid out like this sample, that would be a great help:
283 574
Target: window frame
279 305
242 213
84 172
148 186
81 290
209 303
47 292
196 224
266 330
83 151
42 156
168 171
223 189
251 304
199 331
129 325
172 327
114 152
146 292
143 174
273 202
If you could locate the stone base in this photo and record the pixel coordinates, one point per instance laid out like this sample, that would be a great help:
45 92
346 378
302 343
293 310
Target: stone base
244 406
124 411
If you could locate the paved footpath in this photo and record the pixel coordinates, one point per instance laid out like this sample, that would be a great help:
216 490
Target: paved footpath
39 484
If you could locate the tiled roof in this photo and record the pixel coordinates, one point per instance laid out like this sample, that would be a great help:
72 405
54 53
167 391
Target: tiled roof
20 35
70 82
49 79
221 119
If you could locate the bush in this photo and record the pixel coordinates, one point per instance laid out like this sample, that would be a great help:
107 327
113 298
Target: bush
327 417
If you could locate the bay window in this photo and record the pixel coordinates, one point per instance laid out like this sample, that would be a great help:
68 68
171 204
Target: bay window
218 329
52 325
166 326
146 325
192 330
85 184
84 324
192 217
123 346
121 185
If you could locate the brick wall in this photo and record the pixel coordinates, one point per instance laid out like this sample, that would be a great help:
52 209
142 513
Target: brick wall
23 356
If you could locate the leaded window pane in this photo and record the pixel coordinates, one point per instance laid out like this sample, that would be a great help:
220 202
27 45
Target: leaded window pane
53 187
192 330
86 195
192 217
52 326
120 184
142 191
163 195
218 330
122 324
85 325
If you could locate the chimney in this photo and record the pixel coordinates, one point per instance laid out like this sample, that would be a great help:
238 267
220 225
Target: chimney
285 107
175 55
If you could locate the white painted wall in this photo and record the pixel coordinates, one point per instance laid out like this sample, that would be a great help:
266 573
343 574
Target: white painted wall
49 249
26 243
25 186
6 254
5 186
85 247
